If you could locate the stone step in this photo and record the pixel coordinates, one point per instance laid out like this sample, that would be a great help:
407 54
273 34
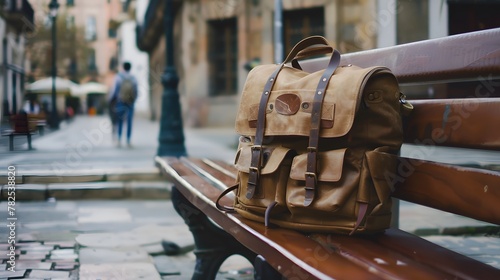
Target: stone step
80 176
90 190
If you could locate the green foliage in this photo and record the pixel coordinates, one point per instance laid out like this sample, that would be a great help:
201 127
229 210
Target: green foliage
72 51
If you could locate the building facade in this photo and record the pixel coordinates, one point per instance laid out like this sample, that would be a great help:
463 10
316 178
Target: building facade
16 23
109 31
217 41
99 21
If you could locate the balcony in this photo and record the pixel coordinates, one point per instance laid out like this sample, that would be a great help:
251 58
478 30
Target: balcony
19 14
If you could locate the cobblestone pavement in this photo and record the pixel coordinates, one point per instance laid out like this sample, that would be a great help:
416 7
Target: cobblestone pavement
99 239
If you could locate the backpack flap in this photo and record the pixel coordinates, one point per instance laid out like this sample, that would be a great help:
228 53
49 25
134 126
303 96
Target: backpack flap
272 158
329 166
288 110
276 162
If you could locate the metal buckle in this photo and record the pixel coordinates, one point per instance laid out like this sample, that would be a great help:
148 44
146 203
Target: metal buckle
254 171
311 175
256 148
312 149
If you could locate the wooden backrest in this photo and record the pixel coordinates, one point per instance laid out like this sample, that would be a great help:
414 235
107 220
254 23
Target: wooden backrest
20 123
453 58
461 184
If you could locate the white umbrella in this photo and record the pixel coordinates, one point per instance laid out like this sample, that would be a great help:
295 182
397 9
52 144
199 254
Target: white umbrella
91 88
44 86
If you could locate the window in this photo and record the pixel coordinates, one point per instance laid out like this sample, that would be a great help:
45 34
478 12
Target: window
111 32
113 26
299 24
91 61
70 22
412 21
468 16
222 57
113 63
91 29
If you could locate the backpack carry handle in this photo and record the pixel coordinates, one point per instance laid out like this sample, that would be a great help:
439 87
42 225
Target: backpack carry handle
306 43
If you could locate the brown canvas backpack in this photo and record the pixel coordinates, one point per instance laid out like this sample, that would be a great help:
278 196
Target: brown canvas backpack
316 149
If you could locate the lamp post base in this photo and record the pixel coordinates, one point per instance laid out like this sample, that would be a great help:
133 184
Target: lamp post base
171 138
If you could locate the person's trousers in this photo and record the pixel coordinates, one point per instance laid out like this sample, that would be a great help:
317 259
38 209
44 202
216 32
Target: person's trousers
124 112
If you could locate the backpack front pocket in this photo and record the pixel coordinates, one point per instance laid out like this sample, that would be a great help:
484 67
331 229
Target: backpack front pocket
337 182
272 180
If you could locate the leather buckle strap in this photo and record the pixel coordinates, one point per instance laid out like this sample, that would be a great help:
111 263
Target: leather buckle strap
254 170
256 162
253 179
314 133
309 196
311 180
311 176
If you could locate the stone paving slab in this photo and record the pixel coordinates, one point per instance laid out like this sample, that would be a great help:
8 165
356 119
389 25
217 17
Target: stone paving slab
122 271
48 274
141 236
33 265
114 255
103 215
12 274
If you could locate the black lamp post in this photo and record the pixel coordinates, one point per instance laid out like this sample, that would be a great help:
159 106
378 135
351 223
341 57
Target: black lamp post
54 118
171 138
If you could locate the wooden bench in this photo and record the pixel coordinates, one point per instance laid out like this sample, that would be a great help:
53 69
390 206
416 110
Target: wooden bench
20 126
464 186
38 121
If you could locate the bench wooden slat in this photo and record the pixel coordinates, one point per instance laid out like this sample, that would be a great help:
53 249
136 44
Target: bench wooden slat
459 57
465 191
454 122
448 261
380 259
212 169
228 168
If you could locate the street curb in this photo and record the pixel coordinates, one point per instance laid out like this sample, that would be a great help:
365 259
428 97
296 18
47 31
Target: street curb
88 191
83 176
145 183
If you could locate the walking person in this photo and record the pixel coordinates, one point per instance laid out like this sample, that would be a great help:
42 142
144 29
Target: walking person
124 93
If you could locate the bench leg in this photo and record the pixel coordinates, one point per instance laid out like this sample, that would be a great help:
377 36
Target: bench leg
29 142
212 244
11 142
